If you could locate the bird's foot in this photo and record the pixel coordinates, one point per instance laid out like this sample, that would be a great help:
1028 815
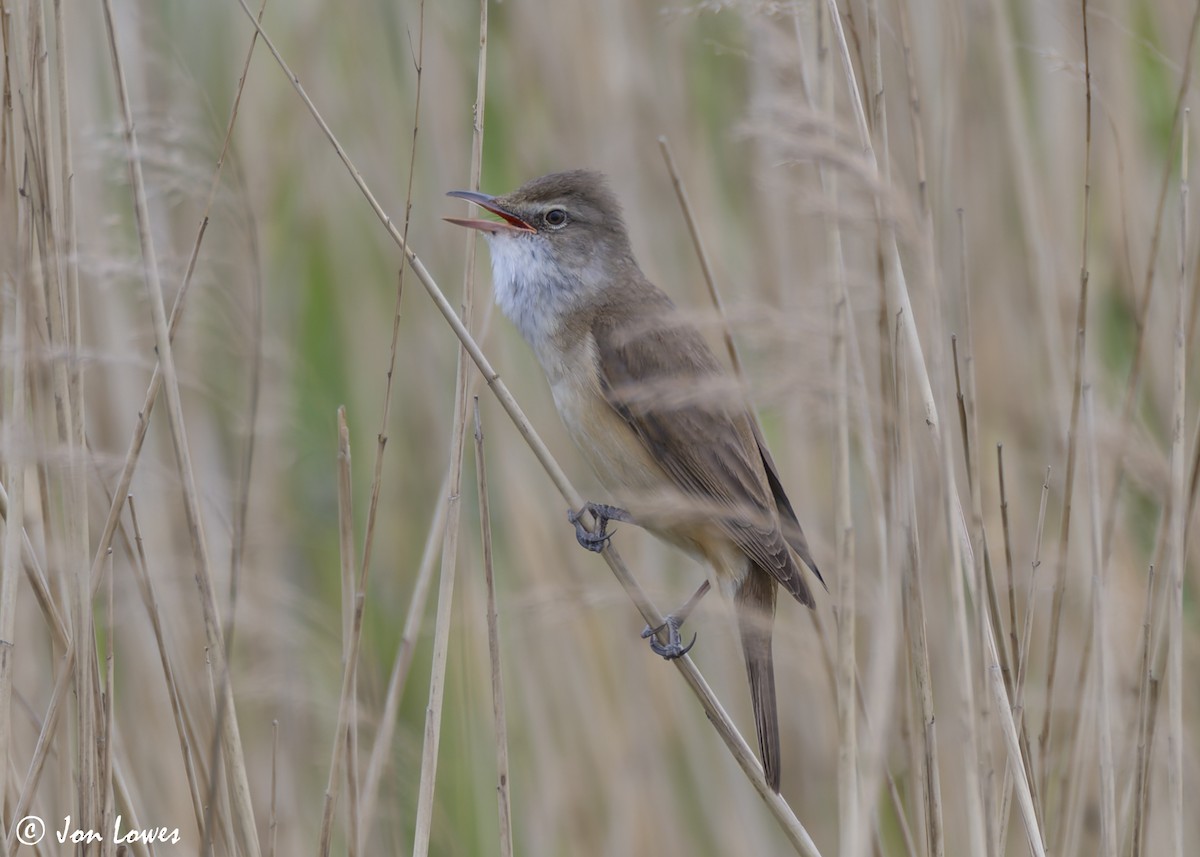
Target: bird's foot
598 540
674 647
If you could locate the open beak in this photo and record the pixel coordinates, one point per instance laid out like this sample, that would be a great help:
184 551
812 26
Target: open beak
511 223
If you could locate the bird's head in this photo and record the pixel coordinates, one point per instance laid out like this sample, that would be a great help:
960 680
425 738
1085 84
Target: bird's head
560 242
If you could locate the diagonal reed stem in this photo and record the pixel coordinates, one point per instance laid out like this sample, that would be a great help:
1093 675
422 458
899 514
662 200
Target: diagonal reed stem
500 719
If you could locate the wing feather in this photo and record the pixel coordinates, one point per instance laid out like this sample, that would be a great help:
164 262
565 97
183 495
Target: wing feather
730 467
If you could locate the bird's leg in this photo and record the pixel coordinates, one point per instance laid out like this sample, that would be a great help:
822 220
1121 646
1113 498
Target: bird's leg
674 647
603 514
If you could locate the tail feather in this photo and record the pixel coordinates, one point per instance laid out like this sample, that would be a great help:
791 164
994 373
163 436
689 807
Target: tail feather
755 604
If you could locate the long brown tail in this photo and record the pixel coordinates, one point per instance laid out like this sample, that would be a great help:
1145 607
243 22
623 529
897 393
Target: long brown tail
755 604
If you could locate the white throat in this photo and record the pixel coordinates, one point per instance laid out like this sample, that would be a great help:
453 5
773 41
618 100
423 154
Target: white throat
530 288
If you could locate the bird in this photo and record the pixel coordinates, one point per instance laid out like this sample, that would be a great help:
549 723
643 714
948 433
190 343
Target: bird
653 411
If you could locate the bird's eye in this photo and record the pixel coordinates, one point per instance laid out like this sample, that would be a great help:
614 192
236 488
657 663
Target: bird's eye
556 217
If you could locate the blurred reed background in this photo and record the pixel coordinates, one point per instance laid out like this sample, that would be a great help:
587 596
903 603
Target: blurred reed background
978 114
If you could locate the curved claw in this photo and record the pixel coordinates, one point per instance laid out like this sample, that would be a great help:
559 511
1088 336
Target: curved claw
594 542
688 647
672 651
674 647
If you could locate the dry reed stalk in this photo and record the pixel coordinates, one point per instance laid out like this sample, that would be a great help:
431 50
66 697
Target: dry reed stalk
881 679
44 742
885 326
14 385
69 231
1024 779
1073 788
876 92
345 752
1194 479
969 422
910 736
384 734
1017 752
1152 733
876 702
1080 356
245 464
1178 526
503 804
1018 697
87 697
981 566
230 739
107 731
1015 684
450 535
405 648
737 745
441 642
850 798
914 614
36 575
129 810
1015 653
352 638
377 478
988 602
986 605
966 704
219 813
1141 778
997 675
986 599
915 116
1027 633
829 662
1100 640
68 374
353 832
273 816
150 598
710 282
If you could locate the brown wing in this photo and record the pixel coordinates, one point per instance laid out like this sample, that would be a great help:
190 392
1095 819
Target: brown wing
787 515
708 448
